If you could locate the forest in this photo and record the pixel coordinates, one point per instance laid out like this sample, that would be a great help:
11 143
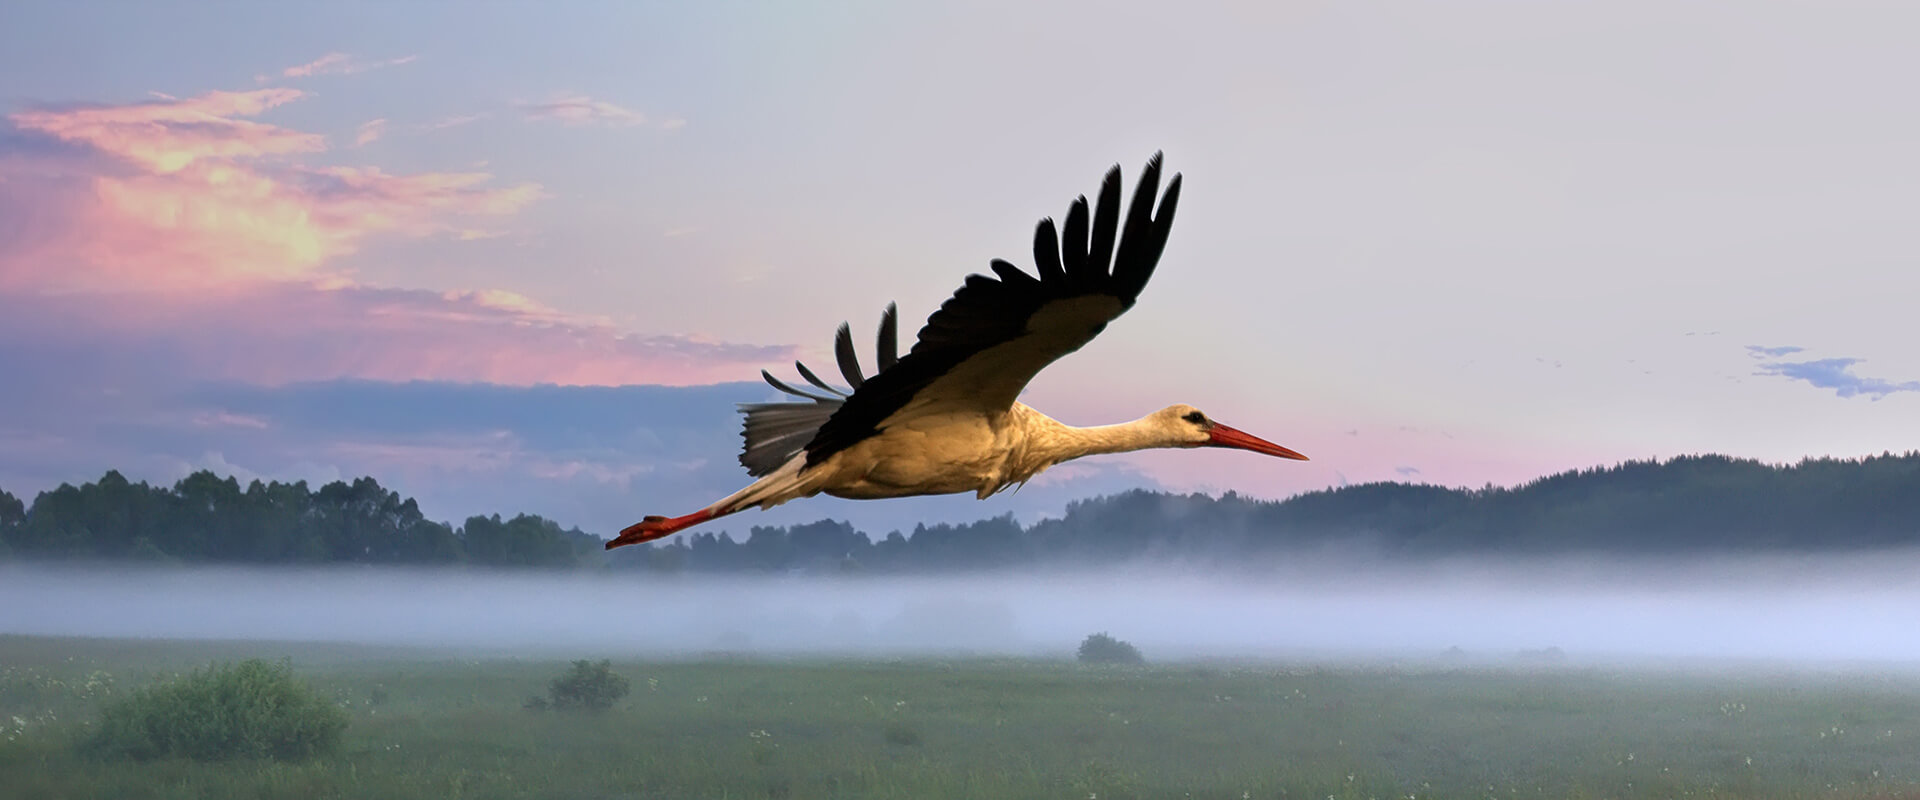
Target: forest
1692 504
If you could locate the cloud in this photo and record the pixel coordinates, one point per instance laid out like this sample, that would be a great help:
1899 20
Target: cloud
454 122
336 64
169 135
326 62
103 207
1836 374
186 194
368 132
227 419
282 333
1758 351
583 110
1407 472
170 299
292 381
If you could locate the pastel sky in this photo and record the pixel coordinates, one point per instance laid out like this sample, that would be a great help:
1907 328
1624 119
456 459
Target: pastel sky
512 257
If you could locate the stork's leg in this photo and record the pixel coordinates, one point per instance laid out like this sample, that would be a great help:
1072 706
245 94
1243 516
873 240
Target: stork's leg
779 486
658 527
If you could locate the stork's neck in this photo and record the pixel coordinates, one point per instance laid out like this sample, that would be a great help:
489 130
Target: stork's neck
1061 442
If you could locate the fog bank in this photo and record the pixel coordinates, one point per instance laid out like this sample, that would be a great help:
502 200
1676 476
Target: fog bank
1811 610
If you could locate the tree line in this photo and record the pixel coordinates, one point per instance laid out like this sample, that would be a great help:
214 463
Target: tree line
1690 504
206 518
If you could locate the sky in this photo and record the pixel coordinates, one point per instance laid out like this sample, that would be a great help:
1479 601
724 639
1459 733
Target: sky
515 257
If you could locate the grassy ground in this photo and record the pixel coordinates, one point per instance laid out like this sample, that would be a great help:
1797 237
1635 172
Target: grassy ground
443 726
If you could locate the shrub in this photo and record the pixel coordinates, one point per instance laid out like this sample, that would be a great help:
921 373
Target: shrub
902 734
1103 649
253 709
588 686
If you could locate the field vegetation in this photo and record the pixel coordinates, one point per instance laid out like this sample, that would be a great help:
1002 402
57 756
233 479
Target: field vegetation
445 725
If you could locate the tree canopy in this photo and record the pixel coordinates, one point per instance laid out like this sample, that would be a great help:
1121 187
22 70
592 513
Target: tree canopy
1691 504
206 518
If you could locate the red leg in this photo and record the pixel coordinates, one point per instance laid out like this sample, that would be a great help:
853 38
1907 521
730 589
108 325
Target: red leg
657 527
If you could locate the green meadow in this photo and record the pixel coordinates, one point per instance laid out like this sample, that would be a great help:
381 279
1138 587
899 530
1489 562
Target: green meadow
442 724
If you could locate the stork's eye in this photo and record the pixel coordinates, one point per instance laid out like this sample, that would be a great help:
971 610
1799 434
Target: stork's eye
1195 417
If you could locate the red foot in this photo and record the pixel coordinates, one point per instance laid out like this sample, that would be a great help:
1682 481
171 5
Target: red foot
657 527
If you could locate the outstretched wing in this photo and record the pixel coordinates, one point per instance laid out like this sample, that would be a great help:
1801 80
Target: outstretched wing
987 341
776 432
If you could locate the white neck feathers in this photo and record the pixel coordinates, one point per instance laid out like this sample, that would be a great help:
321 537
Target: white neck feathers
1051 442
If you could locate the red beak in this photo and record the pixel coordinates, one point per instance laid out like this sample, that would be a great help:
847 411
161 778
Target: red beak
1224 436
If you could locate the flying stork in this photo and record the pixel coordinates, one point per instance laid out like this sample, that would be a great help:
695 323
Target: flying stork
943 418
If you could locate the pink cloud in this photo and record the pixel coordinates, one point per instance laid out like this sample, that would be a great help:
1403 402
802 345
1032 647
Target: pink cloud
328 61
182 239
337 64
454 122
368 132
583 110
167 134
188 196
503 300
279 333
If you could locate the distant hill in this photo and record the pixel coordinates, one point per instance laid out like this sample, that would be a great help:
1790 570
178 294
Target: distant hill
1693 504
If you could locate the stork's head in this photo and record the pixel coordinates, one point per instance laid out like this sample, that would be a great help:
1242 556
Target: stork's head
1187 426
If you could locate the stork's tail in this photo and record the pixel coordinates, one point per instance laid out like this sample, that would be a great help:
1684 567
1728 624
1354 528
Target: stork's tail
783 484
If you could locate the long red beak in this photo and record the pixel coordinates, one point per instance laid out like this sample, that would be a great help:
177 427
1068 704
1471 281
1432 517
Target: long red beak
1224 436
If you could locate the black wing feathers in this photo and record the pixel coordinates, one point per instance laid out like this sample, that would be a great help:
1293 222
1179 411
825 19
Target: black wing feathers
1144 238
1010 274
1079 262
1106 218
843 352
989 311
790 390
775 432
814 379
1046 253
887 349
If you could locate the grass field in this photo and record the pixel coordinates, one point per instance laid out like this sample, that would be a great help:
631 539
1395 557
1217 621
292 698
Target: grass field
440 725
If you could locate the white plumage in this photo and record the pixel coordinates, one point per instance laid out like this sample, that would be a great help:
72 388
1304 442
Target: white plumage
944 419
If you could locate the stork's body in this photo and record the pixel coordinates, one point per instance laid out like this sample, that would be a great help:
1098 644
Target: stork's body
962 452
944 419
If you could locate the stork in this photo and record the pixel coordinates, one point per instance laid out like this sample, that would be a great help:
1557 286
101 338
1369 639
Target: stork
944 418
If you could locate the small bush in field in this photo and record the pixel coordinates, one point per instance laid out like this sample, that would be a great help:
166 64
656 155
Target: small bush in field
588 686
1103 649
253 709
902 734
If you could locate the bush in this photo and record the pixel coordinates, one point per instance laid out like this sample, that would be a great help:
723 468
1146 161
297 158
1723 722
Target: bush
902 734
588 686
1103 649
254 709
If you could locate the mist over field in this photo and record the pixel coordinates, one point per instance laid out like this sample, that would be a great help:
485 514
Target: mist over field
1805 610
